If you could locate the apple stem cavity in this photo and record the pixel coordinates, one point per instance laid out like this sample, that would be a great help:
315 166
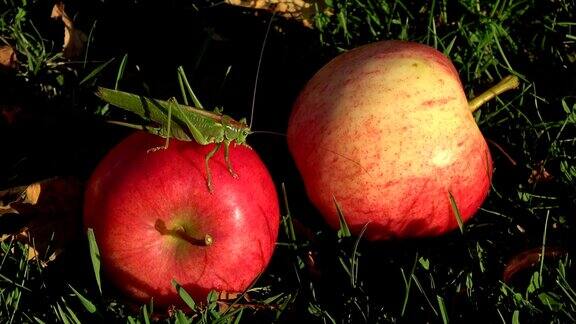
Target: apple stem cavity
508 83
180 232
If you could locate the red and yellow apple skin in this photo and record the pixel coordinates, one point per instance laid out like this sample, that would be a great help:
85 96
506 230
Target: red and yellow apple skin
151 212
385 129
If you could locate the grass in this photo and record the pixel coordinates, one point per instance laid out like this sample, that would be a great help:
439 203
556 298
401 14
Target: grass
317 274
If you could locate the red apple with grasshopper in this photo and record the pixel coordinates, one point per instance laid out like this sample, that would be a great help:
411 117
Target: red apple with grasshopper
183 211
385 131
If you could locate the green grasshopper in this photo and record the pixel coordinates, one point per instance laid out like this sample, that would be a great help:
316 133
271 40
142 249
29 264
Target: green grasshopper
182 122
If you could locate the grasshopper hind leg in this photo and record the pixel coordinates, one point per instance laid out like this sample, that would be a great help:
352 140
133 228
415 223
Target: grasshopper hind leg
227 159
207 165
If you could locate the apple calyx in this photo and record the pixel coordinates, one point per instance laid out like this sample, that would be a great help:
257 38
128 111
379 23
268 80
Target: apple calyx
508 83
180 232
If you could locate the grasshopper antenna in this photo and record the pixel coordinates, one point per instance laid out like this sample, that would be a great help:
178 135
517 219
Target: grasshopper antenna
258 69
269 132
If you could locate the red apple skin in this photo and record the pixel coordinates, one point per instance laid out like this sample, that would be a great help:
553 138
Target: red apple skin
133 190
385 129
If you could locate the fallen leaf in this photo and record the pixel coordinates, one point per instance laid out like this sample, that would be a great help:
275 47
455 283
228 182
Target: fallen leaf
32 193
20 195
8 59
227 301
301 10
9 197
539 174
74 39
228 296
47 216
7 210
529 259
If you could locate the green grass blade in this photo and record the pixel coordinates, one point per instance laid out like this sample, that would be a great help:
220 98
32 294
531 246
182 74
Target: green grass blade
61 314
38 321
66 314
344 230
287 220
501 316
121 69
417 282
184 295
567 290
354 260
12 282
145 314
456 212
291 298
499 47
442 307
424 263
71 315
181 318
448 48
239 316
88 42
408 285
543 253
516 317
90 307
212 297
95 257
96 71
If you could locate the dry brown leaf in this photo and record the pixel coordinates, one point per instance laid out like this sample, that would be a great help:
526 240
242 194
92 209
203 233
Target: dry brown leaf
74 39
539 174
19 195
9 197
529 259
227 301
7 210
228 296
32 194
8 57
301 10
49 215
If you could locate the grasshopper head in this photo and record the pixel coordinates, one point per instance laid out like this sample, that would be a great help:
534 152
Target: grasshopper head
237 131
243 133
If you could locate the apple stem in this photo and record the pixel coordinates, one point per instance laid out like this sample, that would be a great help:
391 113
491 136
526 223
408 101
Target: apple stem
208 240
180 232
508 83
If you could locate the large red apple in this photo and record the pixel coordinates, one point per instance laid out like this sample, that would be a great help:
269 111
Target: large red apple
155 220
386 130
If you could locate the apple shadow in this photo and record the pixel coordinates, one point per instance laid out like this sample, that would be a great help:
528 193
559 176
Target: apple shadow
412 228
161 299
